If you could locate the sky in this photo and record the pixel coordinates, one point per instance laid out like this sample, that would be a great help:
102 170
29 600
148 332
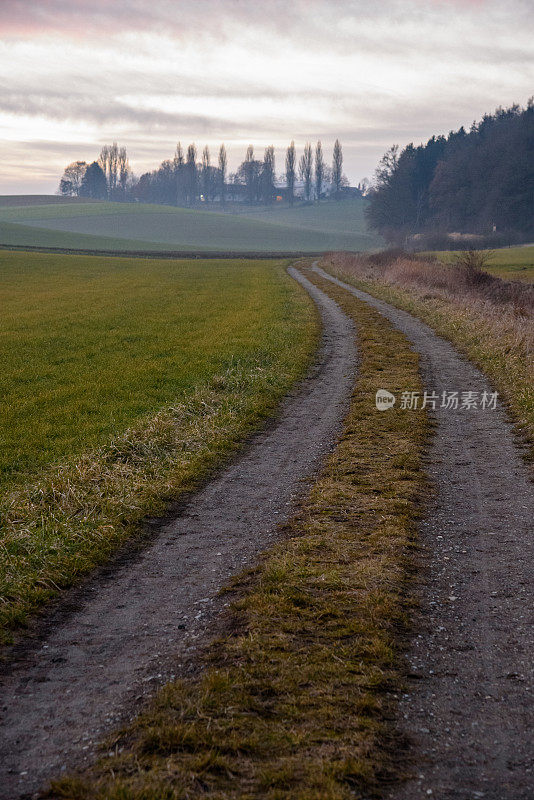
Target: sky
78 74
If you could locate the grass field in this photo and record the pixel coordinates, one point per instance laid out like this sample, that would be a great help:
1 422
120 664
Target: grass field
22 200
90 344
343 217
124 381
130 226
23 236
508 263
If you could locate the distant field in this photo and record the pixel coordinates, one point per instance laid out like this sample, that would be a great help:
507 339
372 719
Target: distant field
40 199
344 217
509 263
15 235
331 226
89 344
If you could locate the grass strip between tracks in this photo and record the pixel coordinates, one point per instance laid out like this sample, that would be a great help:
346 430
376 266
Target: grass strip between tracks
296 700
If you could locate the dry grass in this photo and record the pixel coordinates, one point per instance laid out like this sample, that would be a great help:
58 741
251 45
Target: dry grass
295 702
488 319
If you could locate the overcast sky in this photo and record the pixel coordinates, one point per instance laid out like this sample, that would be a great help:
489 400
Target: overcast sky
76 74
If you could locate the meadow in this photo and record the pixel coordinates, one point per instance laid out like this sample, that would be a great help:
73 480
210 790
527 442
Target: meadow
508 263
124 382
26 236
137 226
89 344
342 217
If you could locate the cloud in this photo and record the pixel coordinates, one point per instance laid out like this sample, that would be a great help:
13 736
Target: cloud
83 18
147 74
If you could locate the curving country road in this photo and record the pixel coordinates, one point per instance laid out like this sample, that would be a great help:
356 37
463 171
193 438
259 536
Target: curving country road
469 707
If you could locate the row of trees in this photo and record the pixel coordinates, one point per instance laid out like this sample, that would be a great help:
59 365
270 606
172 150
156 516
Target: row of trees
477 182
109 177
185 180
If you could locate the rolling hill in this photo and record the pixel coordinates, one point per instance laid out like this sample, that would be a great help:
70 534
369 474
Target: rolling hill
127 227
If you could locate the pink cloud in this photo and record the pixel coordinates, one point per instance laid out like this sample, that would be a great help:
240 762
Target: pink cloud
82 18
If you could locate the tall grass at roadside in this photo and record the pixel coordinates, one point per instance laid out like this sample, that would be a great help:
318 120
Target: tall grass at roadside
488 319
153 372
294 702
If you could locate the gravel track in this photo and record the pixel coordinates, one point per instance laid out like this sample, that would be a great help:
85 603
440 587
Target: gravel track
111 642
469 706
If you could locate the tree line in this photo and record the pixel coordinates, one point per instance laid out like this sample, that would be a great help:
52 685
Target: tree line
187 179
478 182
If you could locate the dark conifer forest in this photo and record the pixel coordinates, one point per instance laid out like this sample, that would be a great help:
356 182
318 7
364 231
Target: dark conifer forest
478 183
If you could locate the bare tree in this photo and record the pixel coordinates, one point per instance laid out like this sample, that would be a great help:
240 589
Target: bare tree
179 177
71 181
124 171
113 161
103 159
179 159
387 166
192 175
319 170
206 173
306 170
337 169
223 164
250 173
108 162
291 162
267 175
113 167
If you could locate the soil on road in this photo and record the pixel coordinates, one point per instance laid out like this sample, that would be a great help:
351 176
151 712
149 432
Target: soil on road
123 634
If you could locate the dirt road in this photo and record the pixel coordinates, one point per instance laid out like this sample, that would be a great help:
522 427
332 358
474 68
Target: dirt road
469 707
120 636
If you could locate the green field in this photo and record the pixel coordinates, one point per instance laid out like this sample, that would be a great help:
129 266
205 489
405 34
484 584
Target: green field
508 263
22 200
345 216
132 226
124 383
26 236
89 344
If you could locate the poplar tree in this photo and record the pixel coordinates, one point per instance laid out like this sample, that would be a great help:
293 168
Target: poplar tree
337 169
306 170
223 163
319 170
291 159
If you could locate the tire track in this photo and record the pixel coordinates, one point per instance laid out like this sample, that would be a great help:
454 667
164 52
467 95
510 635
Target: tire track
469 707
117 638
